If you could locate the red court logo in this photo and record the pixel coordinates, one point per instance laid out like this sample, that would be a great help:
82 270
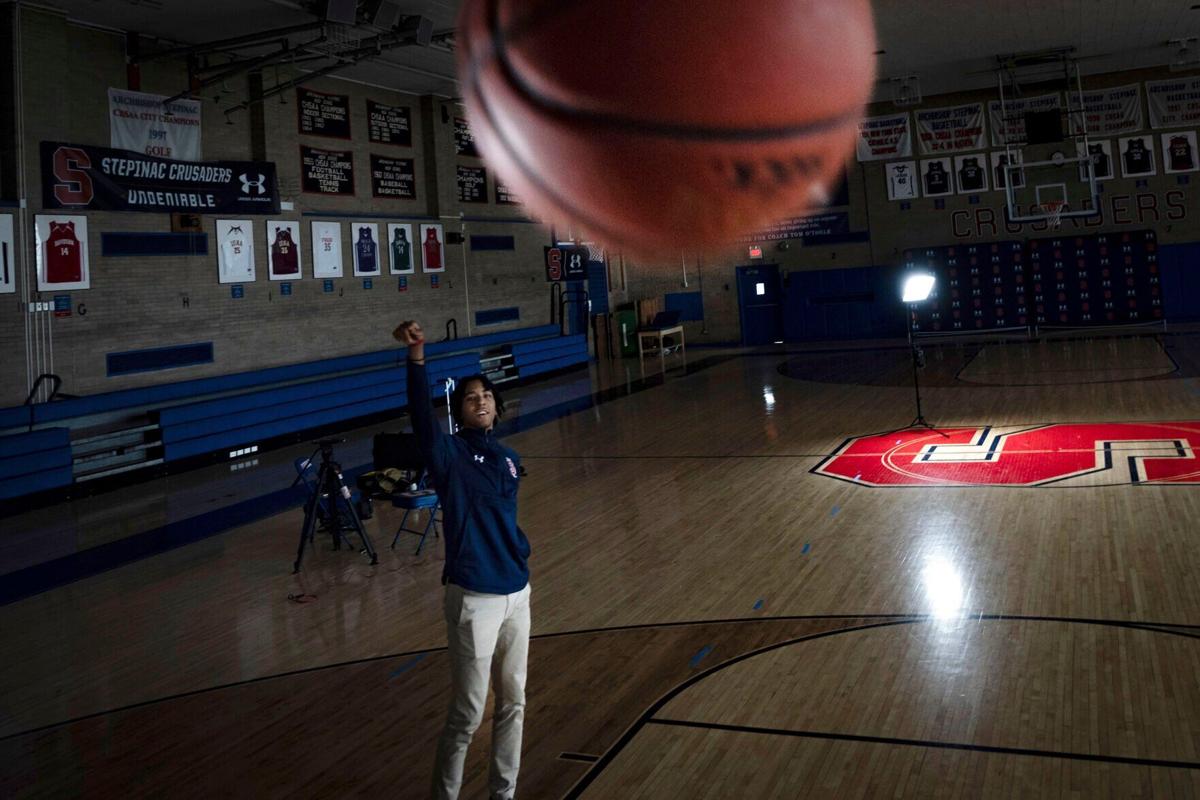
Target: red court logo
1046 455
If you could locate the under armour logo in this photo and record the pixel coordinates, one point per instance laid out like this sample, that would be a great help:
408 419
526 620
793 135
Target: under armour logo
479 459
260 184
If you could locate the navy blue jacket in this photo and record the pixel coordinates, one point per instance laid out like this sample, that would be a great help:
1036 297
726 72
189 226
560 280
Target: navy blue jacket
476 479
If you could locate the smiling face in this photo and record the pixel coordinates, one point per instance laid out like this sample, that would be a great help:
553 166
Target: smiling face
478 406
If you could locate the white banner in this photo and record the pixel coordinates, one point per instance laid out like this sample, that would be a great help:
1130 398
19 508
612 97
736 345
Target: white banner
1175 103
137 122
1013 129
1112 111
948 130
882 138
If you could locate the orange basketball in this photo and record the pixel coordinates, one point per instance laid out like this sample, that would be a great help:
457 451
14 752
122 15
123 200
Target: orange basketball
668 125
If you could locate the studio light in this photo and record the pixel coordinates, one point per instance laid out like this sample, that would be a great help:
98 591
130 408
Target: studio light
917 287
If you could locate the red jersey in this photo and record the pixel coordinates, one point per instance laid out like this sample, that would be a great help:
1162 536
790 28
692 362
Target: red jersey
433 250
285 258
64 257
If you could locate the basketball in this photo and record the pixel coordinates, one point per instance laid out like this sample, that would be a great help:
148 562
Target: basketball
670 126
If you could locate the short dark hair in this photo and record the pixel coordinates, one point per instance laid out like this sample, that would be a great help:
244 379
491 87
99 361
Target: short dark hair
460 391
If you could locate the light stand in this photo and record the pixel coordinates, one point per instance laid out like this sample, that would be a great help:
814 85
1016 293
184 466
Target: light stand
917 287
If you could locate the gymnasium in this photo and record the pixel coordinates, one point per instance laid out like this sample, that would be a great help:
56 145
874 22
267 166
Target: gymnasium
869 471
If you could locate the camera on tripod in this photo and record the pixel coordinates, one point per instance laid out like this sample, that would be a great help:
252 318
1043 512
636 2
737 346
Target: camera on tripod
329 504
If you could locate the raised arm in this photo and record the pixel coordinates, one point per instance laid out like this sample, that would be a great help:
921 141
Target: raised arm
432 439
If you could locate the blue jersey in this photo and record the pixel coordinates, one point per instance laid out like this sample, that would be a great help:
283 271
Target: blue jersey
368 251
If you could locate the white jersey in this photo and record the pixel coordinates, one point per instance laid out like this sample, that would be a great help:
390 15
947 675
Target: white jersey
327 249
237 252
901 185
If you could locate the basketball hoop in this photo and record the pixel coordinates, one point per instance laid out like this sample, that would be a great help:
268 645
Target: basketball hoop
1053 209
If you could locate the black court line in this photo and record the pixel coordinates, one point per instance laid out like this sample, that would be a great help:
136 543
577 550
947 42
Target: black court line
649 715
1170 628
579 757
974 748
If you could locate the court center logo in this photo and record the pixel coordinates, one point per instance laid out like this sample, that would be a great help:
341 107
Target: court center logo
1142 453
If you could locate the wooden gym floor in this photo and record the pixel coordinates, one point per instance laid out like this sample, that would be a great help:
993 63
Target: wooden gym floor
715 614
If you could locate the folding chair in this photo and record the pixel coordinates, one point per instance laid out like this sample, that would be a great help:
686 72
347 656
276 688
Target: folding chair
401 451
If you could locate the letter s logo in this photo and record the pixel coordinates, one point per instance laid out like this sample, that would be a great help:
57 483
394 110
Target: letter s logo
74 186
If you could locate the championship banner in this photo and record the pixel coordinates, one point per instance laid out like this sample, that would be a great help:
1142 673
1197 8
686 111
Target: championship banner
1112 111
389 124
394 178
881 138
326 171
472 184
1013 129
321 114
1174 103
139 122
98 178
464 140
949 130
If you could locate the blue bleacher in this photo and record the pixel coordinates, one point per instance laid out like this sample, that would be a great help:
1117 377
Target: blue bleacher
207 415
34 462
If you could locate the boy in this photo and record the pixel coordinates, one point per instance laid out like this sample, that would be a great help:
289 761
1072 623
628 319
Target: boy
486 573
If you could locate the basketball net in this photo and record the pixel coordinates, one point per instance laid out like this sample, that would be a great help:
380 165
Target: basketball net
1053 210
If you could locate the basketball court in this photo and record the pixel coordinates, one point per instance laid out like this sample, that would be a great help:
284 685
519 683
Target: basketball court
752 576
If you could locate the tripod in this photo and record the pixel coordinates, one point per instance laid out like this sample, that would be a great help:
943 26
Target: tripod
329 503
918 362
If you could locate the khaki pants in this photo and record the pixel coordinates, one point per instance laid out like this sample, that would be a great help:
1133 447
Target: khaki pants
480 626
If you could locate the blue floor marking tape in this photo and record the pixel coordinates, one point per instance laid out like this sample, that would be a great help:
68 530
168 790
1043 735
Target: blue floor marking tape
696 659
406 666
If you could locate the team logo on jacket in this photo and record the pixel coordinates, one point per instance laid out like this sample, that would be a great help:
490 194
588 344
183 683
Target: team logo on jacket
1045 455
511 466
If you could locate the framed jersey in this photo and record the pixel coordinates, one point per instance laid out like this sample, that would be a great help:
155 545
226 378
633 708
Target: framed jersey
62 252
8 261
1179 151
327 249
366 248
937 177
1137 158
400 249
433 249
971 172
902 180
283 250
235 251
1002 171
1102 159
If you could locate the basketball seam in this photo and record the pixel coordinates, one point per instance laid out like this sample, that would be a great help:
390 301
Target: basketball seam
499 51
534 177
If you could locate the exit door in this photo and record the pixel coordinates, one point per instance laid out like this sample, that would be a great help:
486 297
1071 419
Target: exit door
760 299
